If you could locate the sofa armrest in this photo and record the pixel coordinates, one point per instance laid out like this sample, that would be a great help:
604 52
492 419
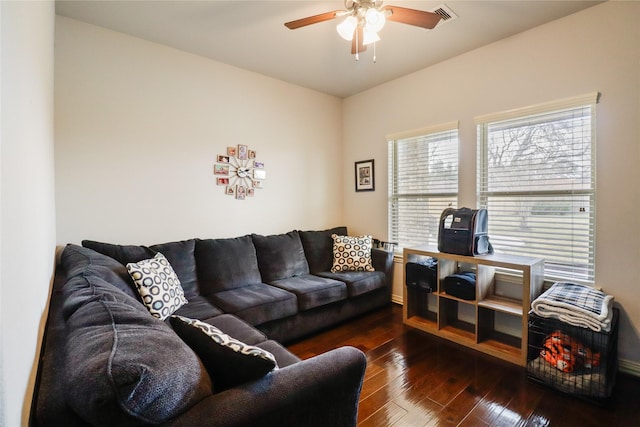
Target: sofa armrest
383 261
317 392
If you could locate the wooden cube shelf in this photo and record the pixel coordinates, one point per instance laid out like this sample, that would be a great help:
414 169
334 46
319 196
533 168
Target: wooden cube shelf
473 323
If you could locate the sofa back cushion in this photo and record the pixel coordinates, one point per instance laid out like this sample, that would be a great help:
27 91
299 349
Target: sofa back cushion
181 256
280 256
125 367
225 264
76 260
84 288
122 253
318 247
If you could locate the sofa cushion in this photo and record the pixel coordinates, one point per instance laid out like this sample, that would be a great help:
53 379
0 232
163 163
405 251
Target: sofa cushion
228 361
359 282
313 291
351 253
124 254
225 264
258 303
280 256
76 260
181 256
83 288
199 307
120 367
158 286
237 328
318 247
283 356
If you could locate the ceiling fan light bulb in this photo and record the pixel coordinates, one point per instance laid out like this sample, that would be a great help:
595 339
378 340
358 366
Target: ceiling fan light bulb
375 20
347 27
369 37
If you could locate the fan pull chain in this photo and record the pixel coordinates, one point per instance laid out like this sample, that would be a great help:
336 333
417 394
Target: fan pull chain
357 46
374 52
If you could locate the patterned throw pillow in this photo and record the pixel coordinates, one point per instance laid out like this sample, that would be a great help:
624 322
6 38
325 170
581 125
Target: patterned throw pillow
158 286
228 361
351 253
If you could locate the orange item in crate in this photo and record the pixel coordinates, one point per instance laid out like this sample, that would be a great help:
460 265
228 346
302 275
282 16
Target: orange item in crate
566 354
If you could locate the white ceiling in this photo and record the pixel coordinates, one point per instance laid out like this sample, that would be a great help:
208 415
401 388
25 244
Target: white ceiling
251 35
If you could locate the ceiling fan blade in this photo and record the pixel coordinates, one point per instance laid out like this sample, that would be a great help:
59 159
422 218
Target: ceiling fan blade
312 19
358 34
419 18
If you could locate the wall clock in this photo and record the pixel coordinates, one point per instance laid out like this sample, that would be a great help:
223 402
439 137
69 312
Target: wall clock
239 172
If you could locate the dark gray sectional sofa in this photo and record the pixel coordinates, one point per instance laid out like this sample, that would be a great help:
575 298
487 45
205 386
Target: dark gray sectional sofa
107 361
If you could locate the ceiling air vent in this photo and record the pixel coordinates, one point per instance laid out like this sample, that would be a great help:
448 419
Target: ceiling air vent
446 13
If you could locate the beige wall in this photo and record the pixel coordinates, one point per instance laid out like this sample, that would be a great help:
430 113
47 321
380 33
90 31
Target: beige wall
593 50
28 209
138 128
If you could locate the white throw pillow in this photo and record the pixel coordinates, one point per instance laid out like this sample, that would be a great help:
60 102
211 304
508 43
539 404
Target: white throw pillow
158 286
351 253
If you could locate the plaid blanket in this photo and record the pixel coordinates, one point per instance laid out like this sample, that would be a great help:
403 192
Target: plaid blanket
576 304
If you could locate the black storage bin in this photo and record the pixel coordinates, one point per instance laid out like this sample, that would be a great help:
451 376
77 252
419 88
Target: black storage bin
422 275
461 285
577 376
421 280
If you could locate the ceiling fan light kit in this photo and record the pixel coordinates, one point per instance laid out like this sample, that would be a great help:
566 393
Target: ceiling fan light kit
347 27
374 20
364 18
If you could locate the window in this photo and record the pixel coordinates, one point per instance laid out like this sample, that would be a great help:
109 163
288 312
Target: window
536 177
423 181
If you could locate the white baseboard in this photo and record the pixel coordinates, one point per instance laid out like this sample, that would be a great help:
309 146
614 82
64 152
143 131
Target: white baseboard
629 367
396 299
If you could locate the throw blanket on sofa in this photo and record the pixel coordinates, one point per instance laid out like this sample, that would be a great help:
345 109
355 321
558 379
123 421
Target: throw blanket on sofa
576 304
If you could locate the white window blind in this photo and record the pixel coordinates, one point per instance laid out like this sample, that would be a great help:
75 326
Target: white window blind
536 177
423 181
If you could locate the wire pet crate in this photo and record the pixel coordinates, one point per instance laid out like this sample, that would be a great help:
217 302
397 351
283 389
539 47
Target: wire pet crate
574 360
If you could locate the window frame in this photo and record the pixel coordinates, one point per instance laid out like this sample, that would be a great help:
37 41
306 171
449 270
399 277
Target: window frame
394 196
556 270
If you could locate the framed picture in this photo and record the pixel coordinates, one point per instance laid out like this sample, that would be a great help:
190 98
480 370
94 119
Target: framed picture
231 151
221 170
223 181
242 152
259 174
223 159
240 192
365 176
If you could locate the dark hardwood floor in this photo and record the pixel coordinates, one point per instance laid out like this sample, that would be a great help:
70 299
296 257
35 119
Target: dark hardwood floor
416 379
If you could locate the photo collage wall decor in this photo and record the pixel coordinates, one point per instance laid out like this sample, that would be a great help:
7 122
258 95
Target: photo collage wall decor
239 172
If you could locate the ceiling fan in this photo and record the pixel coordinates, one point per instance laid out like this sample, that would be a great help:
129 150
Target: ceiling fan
364 18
